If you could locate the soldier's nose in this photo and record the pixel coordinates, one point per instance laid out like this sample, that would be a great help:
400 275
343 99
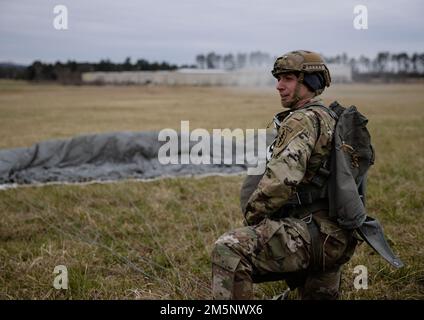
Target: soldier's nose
280 85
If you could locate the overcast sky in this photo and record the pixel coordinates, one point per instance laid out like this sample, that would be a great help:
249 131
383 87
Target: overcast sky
177 30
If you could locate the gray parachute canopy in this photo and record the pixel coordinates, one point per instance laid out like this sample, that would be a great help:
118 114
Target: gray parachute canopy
108 156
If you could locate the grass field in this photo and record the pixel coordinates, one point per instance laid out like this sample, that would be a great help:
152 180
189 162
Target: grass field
152 240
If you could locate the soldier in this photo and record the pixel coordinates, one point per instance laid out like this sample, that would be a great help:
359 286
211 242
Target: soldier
289 234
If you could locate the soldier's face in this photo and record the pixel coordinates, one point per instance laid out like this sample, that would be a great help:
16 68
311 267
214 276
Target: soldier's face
286 86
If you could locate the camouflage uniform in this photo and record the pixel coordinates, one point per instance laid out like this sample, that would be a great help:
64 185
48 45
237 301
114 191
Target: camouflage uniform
271 247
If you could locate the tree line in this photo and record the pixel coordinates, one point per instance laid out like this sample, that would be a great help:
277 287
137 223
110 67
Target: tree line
70 71
384 62
229 61
384 65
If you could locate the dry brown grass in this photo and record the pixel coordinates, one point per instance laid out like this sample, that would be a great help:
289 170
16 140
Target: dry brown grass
152 240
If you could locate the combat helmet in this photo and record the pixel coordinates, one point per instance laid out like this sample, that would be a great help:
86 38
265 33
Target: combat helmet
304 63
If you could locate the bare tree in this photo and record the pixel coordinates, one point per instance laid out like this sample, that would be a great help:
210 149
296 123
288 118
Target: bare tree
229 62
201 61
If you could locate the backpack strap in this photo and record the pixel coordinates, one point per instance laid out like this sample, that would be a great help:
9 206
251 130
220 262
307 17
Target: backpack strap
321 175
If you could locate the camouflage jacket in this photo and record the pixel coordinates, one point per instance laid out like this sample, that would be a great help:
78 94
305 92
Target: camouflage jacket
302 144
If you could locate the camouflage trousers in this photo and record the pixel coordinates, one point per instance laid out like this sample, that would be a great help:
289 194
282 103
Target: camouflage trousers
283 249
